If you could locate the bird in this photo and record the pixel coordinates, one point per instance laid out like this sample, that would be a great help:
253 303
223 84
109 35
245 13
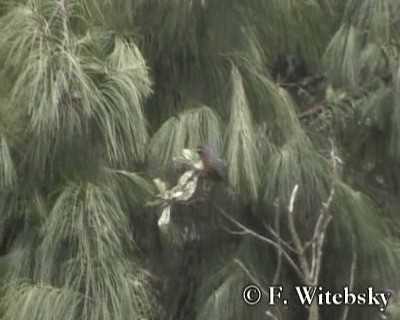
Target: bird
214 167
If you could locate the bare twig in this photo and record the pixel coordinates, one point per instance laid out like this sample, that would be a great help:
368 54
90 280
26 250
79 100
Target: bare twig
254 279
279 238
352 272
280 241
293 198
325 206
249 274
322 224
309 262
260 237
318 258
304 266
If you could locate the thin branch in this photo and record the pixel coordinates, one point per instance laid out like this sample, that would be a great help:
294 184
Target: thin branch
318 258
351 282
279 239
305 268
236 233
323 222
260 237
325 205
315 233
253 278
293 198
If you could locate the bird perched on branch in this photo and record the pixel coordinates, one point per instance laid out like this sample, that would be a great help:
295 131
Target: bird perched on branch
214 167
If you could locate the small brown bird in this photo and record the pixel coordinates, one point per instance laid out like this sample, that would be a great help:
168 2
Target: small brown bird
214 167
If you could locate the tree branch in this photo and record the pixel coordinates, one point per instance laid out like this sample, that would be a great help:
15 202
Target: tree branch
305 268
352 272
260 237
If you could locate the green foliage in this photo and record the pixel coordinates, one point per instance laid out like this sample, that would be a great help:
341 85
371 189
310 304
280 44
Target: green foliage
69 94
7 170
357 216
242 155
190 129
342 57
103 105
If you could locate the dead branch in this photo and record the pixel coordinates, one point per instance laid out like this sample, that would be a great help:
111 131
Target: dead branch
248 231
351 280
308 253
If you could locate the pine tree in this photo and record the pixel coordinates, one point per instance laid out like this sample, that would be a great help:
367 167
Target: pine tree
100 100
